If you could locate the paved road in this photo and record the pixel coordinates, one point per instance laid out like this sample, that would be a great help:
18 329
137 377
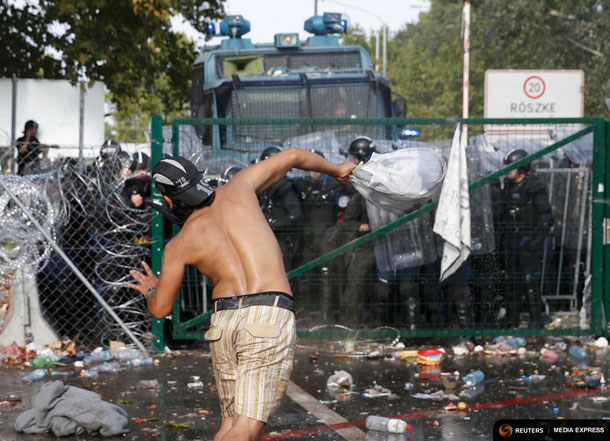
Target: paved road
312 412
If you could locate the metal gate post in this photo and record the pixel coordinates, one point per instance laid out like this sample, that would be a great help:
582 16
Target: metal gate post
598 195
156 154
606 251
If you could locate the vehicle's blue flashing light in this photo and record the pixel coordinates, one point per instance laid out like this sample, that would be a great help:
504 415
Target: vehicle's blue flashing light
234 26
408 132
283 41
210 29
329 23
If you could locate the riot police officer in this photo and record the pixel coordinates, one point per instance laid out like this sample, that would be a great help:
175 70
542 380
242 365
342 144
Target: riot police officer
280 204
527 221
360 262
323 199
137 187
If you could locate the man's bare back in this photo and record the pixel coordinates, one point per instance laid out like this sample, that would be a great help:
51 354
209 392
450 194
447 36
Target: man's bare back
232 244
230 241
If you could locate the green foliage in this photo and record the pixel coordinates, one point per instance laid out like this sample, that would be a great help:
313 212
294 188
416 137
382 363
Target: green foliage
23 40
425 58
424 63
126 44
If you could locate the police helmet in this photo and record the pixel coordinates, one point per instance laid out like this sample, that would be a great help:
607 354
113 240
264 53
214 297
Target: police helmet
141 161
269 152
362 147
124 159
110 149
516 155
230 172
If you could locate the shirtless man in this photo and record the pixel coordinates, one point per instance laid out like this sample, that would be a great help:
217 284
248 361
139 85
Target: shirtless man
252 334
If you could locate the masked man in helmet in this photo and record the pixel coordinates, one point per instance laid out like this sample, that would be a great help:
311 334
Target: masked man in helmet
281 205
226 237
527 222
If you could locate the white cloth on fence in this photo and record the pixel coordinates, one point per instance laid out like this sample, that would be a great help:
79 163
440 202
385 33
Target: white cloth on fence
400 180
452 221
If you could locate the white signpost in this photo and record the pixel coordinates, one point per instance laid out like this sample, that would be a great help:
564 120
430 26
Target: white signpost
533 94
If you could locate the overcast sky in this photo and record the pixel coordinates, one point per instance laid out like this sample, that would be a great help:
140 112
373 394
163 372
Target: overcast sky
269 17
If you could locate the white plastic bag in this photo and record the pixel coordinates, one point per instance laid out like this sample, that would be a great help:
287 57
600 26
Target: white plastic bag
340 379
401 179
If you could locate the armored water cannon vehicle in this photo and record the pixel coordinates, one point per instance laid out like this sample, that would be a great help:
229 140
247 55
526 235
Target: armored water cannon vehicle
289 78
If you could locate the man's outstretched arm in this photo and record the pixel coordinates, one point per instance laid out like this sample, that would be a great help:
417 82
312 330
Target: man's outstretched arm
266 173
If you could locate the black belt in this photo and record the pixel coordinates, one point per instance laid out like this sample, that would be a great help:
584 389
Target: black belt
270 298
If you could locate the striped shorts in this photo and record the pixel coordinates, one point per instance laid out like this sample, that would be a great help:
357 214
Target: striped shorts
252 353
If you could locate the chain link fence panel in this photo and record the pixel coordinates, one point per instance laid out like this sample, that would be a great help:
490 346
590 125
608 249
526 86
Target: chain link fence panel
525 272
85 206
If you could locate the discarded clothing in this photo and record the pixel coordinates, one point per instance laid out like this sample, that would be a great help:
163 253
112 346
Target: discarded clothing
68 410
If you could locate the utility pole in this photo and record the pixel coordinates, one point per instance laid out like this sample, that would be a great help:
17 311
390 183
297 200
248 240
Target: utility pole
315 7
466 72
385 52
377 37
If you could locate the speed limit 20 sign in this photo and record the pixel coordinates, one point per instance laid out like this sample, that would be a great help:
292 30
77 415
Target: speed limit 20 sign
533 94
534 87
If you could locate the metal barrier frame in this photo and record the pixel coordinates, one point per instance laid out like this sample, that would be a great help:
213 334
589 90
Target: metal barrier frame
600 259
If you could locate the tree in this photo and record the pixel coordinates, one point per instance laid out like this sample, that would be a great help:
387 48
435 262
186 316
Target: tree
425 58
549 34
126 44
23 37
424 63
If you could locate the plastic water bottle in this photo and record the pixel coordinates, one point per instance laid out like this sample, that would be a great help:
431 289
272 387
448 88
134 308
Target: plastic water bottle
383 424
560 346
111 368
578 352
90 373
515 342
61 374
140 361
130 355
42 362
99 356
38 374
474 378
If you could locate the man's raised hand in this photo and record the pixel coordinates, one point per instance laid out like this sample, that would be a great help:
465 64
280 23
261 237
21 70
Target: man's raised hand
343 171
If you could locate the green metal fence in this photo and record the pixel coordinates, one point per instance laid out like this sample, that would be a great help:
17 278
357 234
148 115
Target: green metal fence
383 281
